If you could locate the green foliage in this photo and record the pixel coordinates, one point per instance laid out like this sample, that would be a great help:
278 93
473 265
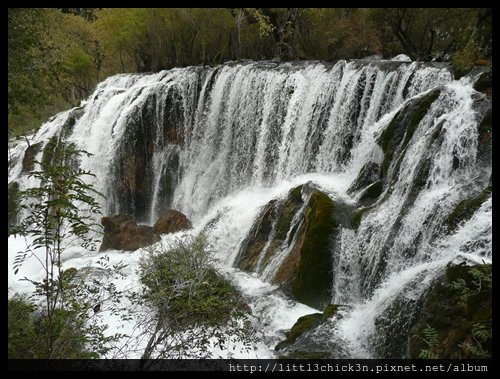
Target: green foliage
58 212
472 50
462 322
74 330
21 329
54 61
28 330
193 308
431 339
63 205
480 280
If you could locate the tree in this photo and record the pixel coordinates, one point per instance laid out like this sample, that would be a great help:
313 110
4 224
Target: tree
193 308
54 61
58 212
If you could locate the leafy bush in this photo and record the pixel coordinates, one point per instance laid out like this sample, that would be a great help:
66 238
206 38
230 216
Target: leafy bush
193 307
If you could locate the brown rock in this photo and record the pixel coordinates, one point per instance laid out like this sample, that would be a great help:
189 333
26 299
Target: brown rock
121 232
171 221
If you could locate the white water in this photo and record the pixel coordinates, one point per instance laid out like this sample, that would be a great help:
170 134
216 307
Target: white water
250 133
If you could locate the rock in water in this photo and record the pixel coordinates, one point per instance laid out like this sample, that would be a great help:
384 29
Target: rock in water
121 232
172 221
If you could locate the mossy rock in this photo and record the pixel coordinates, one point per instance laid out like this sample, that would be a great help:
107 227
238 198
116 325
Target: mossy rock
453 307
466 209
312 281
29 157
369 174
485 82
275 213
13 207
132 162
303 324
393 327
485 128
70 122
357 215
484 140
69 274
48 151
418 115
330 311
402 127
420 179
371 193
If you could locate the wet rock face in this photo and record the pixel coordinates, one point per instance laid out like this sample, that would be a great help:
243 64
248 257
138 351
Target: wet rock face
459 309
13 208
302 339
311 259
29 157
151 129
369 174
121 232
305 224
171 221
398 133
457 306
270 231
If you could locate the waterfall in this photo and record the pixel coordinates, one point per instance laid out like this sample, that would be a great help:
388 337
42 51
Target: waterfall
219 143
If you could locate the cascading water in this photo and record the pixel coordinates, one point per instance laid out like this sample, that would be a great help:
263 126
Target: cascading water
220 143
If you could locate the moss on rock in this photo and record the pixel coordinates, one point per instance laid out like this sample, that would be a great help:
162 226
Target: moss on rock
312 282
392 326
278 213
403 125
306 271
369 173
466 208
357 215
423 106
303 324
300 354
29 157
330 311
48 151
13 206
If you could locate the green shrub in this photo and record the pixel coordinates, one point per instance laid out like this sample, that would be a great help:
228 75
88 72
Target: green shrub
193 307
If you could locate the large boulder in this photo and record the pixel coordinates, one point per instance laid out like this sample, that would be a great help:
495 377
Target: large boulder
295 236
121 232
308 267
305 339
273 225
171 221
